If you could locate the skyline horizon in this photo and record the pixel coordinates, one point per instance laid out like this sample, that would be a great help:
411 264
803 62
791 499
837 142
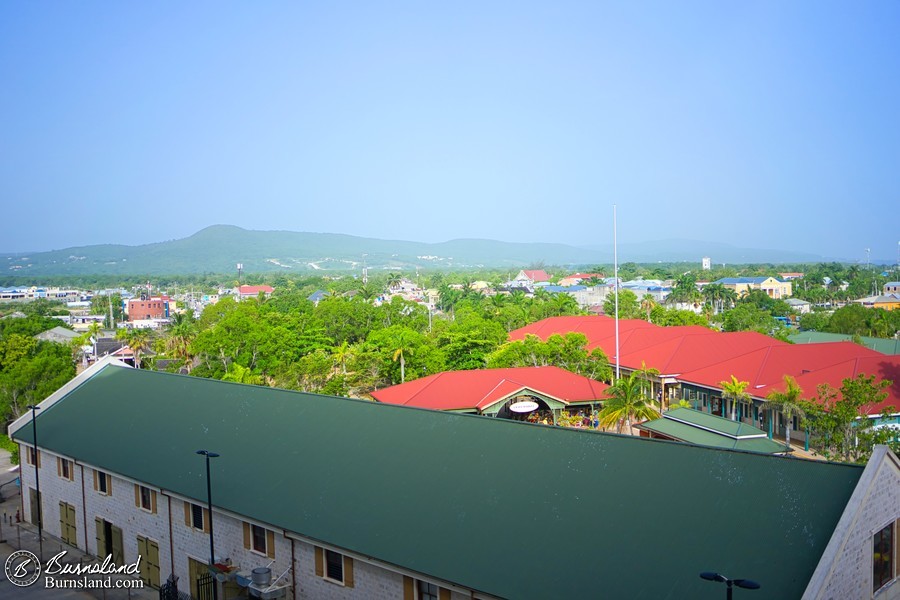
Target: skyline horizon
599 247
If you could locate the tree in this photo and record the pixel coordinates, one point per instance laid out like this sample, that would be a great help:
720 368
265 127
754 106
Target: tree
628 401
685 290
648 303
789 403
567 351
736 391
138 339
393 281
629 307
839 421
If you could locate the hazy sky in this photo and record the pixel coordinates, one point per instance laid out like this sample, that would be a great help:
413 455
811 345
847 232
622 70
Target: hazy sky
762 124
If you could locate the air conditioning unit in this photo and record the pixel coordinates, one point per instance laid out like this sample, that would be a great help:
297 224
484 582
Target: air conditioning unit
262 587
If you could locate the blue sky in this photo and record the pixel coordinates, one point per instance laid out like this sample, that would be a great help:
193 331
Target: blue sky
763 124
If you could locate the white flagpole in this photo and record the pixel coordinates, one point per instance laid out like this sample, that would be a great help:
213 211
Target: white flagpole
616 276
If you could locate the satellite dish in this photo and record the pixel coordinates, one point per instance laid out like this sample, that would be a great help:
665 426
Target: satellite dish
524 406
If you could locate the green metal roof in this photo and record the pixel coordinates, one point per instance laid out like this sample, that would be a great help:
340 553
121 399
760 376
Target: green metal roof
507 508
684 431
720 425
885 346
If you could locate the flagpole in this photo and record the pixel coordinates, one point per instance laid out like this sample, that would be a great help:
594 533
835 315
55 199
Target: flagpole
616 277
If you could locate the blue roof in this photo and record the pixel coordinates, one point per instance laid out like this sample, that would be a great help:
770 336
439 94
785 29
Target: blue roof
317 295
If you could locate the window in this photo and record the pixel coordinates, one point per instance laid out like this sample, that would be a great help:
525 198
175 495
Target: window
34 457
258 535
102 483
259 539
196 516
64 469
883 557
426 591
334 566
145 498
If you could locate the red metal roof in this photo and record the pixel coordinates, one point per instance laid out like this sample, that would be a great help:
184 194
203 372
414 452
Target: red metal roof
478 389
252 290
704 357
537 275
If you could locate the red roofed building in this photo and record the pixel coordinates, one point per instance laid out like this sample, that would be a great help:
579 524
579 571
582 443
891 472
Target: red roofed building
693 361
532 277
577 278
253 291
492 391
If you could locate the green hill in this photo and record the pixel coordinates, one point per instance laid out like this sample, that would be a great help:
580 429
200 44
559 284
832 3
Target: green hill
219 248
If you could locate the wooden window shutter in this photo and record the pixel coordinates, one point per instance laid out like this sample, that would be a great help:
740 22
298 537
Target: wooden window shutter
246 536
205 521
270 544
153 501
137 495
409 590
187 514
59 466
96 482
348 572
443 594
38 452
320 562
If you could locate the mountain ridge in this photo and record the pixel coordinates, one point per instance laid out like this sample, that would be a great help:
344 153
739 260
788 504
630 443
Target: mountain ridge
219 248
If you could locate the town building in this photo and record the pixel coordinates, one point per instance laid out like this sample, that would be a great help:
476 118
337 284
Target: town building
492 391
528 278
343 498
706 263
246 292
744 285
693 361
579 278
147 308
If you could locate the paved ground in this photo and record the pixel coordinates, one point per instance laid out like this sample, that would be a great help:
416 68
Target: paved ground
16 536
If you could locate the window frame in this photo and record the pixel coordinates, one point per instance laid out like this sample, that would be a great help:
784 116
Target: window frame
427 595
325 564
33 456
142 490
104 483
890 564
195 508
265 539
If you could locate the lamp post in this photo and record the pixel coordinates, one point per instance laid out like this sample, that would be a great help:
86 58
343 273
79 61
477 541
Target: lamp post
37 481
741 583
212 550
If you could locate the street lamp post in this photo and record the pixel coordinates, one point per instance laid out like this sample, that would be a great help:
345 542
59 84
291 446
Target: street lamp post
741 583
212 550
37 481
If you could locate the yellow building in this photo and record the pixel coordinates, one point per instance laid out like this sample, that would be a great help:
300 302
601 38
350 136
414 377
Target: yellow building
771 286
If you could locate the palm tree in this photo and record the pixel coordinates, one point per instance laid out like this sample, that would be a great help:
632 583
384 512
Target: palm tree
136 339
393 281
648 303
789 403
627 402
341 355
402 346
735 391
178 339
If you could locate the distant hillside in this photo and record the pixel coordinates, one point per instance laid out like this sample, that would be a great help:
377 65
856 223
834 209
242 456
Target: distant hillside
219 248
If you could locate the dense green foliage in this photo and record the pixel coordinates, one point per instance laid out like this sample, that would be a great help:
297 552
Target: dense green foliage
30 370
